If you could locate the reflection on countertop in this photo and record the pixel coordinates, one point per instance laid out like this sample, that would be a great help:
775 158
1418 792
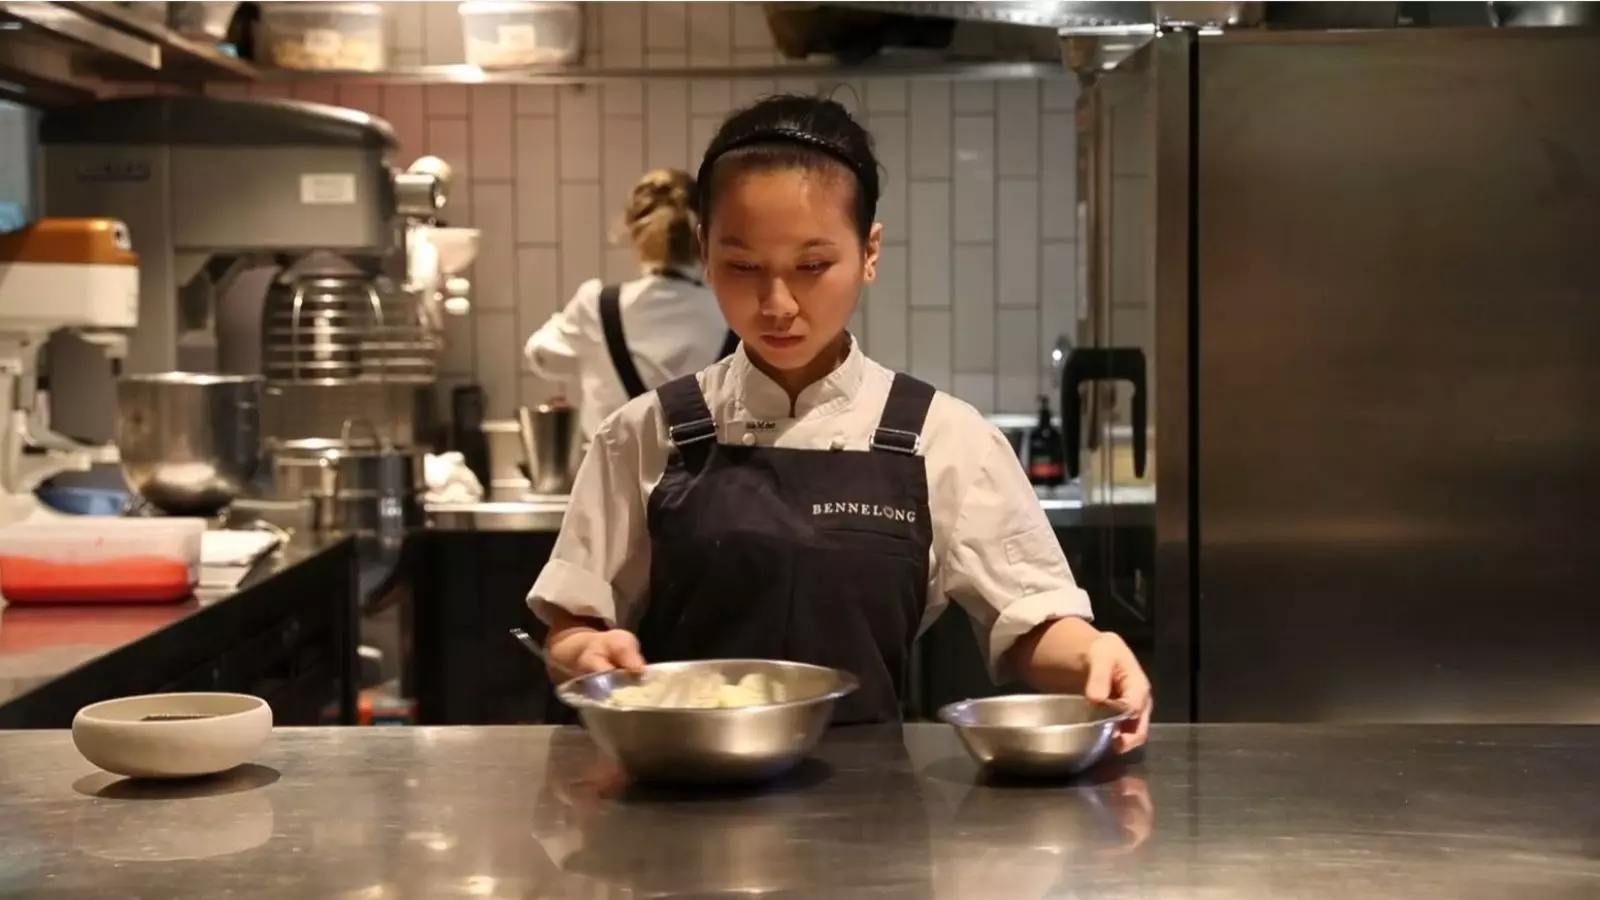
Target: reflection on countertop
1224 811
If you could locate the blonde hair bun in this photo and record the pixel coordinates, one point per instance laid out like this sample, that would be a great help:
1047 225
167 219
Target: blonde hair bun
661 221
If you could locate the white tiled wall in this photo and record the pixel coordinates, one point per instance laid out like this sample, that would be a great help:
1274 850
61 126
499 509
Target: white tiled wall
978 275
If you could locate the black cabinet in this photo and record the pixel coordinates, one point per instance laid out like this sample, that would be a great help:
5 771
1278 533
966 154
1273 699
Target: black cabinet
469 589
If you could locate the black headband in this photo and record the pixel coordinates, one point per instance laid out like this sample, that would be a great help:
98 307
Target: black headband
866 175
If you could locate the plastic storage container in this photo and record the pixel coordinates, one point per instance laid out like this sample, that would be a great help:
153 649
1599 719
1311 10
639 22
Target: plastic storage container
509 34
203 20
337 36
90 560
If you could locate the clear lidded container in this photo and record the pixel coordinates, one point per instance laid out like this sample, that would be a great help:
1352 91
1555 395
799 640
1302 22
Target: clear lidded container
345 37
501 34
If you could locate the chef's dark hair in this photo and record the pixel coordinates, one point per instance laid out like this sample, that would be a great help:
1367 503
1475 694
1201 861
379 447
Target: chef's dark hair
791 131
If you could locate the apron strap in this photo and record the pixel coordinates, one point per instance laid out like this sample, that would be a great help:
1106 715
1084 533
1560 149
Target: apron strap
689 420
900 428
617 343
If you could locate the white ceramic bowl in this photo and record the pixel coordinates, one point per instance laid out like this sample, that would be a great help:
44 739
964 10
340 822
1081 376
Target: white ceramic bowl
117 736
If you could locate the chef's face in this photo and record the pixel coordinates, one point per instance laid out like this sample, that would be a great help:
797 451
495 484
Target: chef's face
787 263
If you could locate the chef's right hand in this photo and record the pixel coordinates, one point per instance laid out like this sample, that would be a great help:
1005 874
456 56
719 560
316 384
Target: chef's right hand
584 650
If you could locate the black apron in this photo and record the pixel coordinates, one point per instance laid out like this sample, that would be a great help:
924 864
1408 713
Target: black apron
814 556
617 341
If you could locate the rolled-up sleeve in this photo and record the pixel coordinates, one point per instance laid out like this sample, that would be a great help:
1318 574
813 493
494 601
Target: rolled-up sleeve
1003 563
597 567
552 352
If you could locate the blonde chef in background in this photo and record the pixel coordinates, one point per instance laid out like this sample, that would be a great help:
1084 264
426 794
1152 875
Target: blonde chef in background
616 342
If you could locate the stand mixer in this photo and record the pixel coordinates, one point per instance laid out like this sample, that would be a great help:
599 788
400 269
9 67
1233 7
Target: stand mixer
56 274
273 239
277 242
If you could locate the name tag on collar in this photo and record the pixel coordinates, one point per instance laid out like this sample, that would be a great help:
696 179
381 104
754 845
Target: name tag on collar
760 429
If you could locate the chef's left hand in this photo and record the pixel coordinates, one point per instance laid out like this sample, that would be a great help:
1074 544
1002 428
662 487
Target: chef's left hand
1114 675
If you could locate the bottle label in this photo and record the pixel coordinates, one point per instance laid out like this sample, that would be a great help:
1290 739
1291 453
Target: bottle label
1042 470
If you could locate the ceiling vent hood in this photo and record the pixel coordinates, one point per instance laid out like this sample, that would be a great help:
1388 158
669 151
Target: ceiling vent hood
856 33
1095 36
1085 18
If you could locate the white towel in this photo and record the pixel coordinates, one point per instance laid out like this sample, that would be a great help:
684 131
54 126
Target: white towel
449 480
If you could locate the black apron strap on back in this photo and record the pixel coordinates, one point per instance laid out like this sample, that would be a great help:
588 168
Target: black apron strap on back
729 344
904 413
617 343
689 420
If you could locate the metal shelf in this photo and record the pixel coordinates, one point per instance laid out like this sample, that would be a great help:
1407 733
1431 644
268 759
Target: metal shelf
180 59
54 53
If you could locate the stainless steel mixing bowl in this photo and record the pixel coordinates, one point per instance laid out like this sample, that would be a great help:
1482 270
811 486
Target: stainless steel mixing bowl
1034 734
189 442
743 744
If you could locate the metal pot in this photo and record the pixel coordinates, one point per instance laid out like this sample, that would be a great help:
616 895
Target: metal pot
359 485
189 442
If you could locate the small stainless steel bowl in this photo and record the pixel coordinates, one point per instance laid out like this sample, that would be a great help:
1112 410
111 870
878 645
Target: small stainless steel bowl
1034 735
751 743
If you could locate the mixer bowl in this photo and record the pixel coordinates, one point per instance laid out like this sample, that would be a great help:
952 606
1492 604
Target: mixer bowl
189 442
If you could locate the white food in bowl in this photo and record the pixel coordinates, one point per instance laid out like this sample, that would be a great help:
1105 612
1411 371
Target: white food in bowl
713 692
120 737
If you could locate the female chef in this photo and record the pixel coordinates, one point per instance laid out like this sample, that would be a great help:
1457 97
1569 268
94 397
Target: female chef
617 342
798 500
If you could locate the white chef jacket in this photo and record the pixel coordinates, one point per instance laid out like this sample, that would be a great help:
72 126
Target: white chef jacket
673 327
993 549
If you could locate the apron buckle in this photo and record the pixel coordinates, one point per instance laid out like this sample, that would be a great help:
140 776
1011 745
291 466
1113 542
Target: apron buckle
693 432
896 440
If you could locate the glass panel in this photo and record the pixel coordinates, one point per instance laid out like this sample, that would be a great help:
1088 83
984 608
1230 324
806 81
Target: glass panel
18 166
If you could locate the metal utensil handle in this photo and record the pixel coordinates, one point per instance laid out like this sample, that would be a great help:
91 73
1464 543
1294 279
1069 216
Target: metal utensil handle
533 647
346 428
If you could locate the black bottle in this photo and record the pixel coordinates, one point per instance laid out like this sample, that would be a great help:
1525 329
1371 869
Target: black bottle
1046 454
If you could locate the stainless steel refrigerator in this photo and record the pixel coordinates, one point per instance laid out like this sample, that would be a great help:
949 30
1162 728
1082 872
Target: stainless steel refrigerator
1363 272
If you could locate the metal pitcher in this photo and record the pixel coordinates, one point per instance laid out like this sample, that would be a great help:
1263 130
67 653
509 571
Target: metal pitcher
550 446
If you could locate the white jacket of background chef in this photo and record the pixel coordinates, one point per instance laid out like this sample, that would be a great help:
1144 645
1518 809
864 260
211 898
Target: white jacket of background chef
672 325
994 551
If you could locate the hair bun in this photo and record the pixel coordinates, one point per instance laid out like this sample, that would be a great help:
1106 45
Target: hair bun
660 218
658 188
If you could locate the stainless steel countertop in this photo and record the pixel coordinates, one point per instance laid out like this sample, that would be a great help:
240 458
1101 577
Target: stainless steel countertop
1234 812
